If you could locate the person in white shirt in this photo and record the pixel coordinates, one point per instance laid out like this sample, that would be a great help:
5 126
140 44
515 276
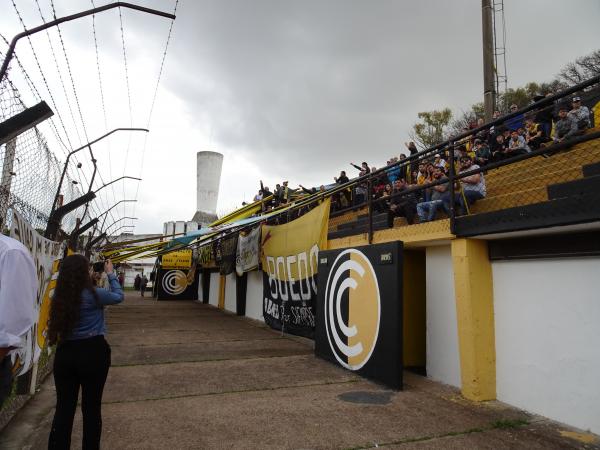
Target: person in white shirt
18 293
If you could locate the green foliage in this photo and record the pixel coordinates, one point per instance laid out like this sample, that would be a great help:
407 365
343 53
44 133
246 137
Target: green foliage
432 128
435 126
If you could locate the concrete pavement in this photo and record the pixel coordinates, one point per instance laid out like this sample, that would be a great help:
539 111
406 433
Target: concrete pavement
187 375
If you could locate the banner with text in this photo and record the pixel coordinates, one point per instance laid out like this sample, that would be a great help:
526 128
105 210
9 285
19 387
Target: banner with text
290 264
46 255
248 249
181 259
224 251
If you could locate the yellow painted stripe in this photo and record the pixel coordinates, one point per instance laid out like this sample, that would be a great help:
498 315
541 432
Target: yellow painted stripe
222 281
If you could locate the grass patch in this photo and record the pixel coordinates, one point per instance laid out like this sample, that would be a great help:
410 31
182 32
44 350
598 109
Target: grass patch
505 424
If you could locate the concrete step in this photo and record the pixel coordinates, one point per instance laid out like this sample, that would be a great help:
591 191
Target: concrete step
574 188
530 182
590 170
510 200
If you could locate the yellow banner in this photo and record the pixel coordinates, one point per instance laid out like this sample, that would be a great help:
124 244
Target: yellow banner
181 259
289 252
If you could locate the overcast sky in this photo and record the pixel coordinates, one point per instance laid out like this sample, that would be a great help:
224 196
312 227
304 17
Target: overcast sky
290 90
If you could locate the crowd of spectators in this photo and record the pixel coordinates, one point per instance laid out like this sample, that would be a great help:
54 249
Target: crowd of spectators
418 191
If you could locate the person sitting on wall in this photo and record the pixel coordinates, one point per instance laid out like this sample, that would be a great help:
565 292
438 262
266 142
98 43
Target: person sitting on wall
580 114
384 204
566 127
498 150
516 144
439 161
535 135
472 187
378 182
402 205
427 210
482 152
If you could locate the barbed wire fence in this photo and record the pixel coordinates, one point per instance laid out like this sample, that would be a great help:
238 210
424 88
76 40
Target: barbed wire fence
30 171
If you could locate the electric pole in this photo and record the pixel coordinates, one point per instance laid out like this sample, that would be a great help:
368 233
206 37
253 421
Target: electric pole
489 88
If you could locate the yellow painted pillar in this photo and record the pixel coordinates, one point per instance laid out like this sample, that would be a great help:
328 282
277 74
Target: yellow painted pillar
473 290
222 280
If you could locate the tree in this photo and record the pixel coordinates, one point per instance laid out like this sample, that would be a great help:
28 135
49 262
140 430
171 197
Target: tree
581 69
467 119
432 129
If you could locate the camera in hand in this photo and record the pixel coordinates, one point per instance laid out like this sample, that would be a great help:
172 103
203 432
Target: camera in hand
98 266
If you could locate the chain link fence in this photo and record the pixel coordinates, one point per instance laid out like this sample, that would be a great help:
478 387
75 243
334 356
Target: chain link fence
30 171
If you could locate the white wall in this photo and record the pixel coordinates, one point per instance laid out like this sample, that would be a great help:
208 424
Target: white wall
230 302
213 296
548 338
443 362
254 295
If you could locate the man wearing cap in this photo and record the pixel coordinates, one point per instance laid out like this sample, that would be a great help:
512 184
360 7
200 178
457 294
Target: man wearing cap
580 114
439 162
565 127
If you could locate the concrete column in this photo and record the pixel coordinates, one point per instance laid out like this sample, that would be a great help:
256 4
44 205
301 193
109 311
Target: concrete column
473 290
222 281
6 181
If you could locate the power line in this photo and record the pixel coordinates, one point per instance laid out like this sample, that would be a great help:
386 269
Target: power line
48 87
42 74
128 100
162 62
100 199
57 69
70 73
38 96
102 95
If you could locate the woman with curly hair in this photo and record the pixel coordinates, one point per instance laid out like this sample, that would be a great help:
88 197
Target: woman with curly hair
82 354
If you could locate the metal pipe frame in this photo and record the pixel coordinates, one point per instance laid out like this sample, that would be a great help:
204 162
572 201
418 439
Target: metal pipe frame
109 209
11 49
72 152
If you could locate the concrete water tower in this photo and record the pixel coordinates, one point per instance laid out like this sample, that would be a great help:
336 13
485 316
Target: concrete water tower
208 177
